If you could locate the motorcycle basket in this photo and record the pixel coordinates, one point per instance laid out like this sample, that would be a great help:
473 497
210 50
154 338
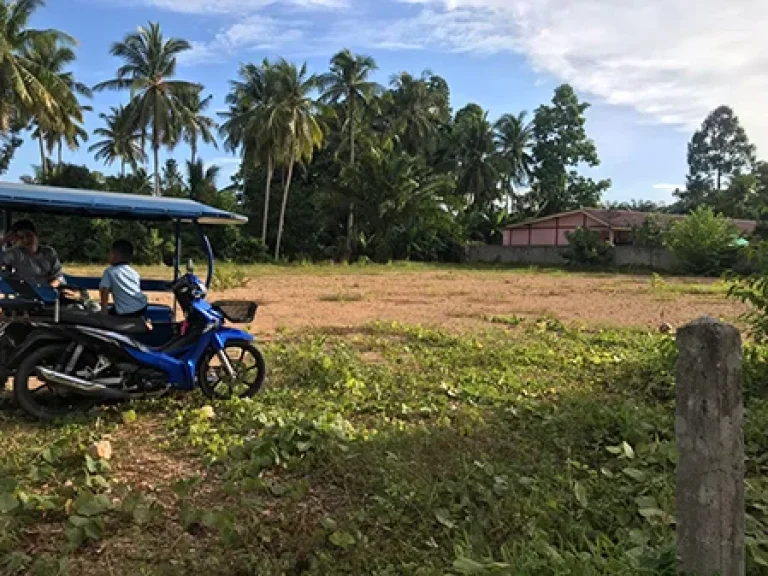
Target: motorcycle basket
237 311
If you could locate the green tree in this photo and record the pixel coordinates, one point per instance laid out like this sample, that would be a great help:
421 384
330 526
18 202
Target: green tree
586 247
703 242
62 124
474 149
408 212
148 71
121 140
172 180
196 126
26 88
514 139
201 182
299 131
561 145
419 107
251 126
719 150
348 83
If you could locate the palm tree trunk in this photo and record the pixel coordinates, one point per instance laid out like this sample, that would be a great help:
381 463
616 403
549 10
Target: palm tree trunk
61 155
351 214
193 147
267 194
122 167
285 203
43 157
156 152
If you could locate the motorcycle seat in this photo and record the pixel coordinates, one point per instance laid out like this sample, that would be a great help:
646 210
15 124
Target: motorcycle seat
113 323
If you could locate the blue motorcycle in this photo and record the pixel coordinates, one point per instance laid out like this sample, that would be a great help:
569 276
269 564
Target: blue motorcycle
63 356
84 358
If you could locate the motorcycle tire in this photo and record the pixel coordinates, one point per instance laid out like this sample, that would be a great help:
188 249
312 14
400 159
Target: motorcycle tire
25 397
251 388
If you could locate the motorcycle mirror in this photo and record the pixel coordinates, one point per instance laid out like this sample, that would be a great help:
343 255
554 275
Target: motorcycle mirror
190 266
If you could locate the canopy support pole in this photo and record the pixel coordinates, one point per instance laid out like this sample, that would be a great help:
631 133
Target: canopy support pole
208 254
176 260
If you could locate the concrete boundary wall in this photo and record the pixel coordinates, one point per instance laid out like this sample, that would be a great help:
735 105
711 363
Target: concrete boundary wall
629 256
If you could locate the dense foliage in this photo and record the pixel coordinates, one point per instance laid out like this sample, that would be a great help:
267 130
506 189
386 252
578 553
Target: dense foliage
537 449
586 247
703 242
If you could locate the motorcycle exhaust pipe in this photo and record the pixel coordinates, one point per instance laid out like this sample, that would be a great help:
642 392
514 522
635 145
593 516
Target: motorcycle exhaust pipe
80 386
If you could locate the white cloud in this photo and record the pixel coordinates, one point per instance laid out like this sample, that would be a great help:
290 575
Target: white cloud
672 60
669 187
258 32
236 6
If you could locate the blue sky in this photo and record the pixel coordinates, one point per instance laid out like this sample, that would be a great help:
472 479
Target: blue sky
652 71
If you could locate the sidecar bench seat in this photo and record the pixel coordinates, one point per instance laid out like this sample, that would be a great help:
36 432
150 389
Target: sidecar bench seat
133 326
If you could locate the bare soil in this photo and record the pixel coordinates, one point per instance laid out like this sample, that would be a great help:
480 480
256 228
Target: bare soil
468 300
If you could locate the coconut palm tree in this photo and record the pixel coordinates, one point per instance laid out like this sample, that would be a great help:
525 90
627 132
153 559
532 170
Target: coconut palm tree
62 123
514 139
296 118
419 107
197 126
250 124
348 82
201 181
475 147
148 71
25 87
121 140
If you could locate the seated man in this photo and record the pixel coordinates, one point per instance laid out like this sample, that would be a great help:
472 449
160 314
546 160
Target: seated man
123 283
34 263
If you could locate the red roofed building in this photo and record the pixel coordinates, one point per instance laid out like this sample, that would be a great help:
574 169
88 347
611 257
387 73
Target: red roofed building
614 226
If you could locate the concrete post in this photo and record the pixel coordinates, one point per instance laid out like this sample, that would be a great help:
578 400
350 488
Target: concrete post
709 425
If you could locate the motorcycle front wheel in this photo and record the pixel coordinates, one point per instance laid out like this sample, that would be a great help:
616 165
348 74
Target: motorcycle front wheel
37 397
247 363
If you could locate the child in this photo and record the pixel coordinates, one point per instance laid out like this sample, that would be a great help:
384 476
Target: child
123 282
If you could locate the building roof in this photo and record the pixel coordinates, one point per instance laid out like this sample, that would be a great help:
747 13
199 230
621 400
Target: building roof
51 200
628 219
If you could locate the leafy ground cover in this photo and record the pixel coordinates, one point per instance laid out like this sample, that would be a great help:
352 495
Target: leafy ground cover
531 448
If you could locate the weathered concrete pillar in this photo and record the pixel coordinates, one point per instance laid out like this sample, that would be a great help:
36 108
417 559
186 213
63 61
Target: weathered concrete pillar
709 425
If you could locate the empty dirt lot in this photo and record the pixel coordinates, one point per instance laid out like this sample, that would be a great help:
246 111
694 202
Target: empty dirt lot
461 299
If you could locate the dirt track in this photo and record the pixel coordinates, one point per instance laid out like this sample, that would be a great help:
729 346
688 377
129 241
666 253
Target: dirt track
466 299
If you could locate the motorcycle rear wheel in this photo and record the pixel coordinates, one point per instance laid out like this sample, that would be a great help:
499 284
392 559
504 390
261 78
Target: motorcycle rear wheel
38 398
248 364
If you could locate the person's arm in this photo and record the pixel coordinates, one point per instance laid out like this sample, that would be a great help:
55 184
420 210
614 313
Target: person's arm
56 277
105 288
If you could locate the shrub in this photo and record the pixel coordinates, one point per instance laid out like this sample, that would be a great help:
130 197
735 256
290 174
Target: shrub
586 247
703 242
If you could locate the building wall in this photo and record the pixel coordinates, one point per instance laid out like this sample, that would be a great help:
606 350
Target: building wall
629 256
551 232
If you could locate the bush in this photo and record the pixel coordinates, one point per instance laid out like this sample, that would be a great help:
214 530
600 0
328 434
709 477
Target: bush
587 248
703 242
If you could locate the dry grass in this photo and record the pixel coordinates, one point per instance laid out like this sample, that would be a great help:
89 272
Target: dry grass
321 297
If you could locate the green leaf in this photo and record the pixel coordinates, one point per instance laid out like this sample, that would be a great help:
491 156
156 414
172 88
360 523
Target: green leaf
8 503
627 450
635 474
581 494
330 524
758 555
129 416
92 505
342 539
444 517
646 502
467 566
91 465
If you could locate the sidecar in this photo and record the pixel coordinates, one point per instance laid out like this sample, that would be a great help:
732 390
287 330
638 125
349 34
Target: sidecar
23 304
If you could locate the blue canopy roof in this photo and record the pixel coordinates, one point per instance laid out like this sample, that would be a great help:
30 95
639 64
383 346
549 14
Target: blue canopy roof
50 200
